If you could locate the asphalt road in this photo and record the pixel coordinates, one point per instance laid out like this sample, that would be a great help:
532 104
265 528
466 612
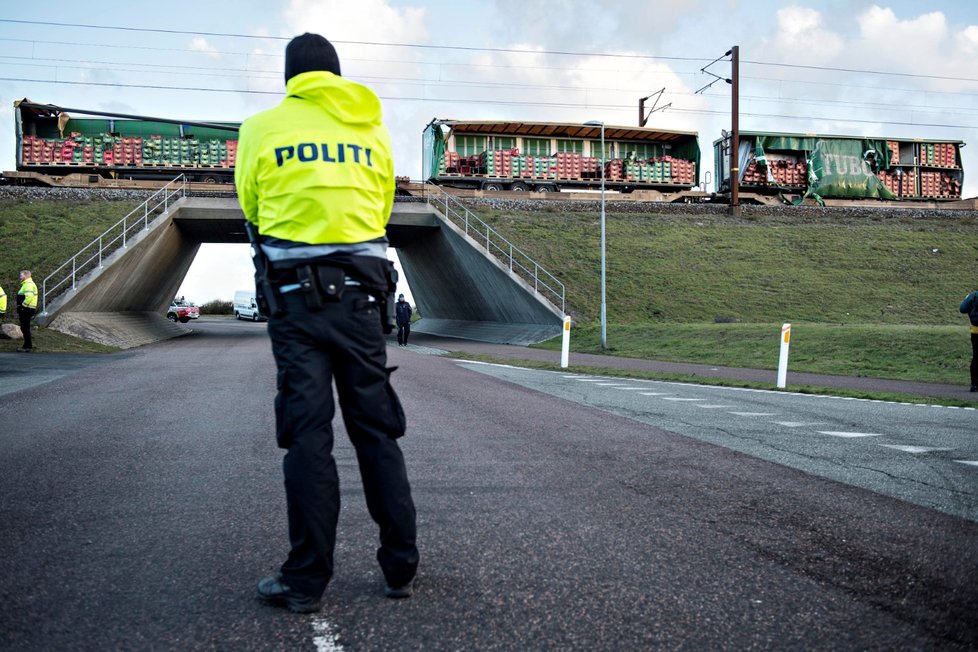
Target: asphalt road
141 498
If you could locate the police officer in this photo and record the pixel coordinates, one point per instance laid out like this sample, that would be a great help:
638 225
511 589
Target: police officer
26 307
315 178
403 311
3 302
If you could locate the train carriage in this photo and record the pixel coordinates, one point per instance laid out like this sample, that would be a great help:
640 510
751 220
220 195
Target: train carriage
548 156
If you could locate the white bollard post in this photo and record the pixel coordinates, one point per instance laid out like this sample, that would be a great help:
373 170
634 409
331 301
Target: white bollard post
565 345
783 360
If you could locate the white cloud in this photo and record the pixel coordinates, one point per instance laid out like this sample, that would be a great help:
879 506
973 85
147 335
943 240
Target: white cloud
801 36
200 44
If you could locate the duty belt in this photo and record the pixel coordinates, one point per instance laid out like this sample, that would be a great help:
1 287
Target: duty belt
291 287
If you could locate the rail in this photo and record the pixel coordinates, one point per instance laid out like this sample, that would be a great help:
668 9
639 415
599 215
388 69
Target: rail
496 245
116 237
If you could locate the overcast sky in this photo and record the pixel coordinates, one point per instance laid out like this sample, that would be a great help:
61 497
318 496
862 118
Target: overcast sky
887 68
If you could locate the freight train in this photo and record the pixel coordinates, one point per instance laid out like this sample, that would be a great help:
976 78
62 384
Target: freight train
55 147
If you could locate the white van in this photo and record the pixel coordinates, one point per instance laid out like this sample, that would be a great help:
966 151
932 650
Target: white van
245 306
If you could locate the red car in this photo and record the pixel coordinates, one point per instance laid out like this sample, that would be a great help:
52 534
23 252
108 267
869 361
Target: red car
182 311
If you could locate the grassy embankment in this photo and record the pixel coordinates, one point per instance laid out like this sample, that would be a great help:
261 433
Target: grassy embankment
866 296
40 235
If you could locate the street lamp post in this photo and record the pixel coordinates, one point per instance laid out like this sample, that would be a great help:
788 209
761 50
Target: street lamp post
604 306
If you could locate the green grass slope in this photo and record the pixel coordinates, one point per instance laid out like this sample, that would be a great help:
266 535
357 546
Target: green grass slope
40 235
868 294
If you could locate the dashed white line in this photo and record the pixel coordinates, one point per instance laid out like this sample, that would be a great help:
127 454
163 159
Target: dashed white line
631 389
679 398
610 385
715 407
968 462
754 414
654 393
850 435
915 449
324 637
798 424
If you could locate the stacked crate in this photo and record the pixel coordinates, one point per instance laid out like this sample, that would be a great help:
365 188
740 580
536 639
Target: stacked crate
497 162
938 155
785 172
891 180
614 169
231 153
683 171
894 152
132 151
590 167
939 184
569 165
153 150
544 167
523 166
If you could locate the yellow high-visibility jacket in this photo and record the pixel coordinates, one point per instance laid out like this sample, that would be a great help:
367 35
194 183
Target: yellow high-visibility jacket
29 289
318 167
3 302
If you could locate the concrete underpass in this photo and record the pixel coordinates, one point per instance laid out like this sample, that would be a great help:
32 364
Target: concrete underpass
459 290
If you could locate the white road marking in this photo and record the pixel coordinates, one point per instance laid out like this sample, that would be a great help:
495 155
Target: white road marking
850 435
590 380
610 385
968 462
915 449
754 414
677 398
655 393
325 637
798 424
714 407
631 389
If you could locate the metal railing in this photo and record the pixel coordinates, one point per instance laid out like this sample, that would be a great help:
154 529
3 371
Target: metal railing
496 245
116 237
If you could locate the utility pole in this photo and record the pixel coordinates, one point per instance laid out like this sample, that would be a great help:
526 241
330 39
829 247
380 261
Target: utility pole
735 130
734 81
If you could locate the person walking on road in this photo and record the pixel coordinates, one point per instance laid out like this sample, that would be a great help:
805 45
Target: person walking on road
315 180
970 306
26 307
402 311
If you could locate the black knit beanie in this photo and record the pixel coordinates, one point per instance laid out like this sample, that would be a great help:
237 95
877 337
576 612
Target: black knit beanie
310 52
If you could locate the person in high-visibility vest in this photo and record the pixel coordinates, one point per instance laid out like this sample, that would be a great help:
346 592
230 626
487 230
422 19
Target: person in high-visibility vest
26 307
315 178
3 302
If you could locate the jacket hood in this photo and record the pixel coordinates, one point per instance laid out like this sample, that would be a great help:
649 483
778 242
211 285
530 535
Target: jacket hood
345 100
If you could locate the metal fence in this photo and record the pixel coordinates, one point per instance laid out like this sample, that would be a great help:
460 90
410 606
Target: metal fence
496 245
115 238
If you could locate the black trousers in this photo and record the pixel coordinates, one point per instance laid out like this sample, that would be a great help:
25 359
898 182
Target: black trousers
974 359
403 331
26 315
343 341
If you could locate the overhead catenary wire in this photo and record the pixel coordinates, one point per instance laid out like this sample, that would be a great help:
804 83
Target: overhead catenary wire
611 107
468 48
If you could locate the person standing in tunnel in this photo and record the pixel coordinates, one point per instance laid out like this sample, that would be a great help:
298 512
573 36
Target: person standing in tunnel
315 179
403 312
